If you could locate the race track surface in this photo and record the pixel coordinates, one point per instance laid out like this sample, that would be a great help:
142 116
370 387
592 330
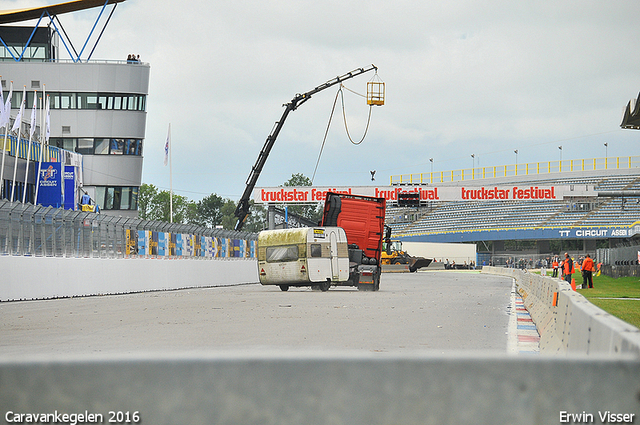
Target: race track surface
433 311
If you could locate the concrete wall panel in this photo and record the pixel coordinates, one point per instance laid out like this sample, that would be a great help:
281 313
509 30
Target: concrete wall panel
27 278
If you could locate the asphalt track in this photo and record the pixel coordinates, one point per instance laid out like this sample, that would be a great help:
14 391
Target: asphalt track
423 311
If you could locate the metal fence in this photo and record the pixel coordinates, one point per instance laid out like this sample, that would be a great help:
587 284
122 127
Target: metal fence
620 256
33 230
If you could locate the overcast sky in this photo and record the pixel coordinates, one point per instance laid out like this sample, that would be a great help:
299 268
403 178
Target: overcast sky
462 77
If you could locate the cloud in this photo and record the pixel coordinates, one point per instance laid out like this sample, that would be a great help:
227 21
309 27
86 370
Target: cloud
462 77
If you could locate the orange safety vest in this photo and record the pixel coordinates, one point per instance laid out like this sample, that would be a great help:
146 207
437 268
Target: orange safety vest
566 266
587 264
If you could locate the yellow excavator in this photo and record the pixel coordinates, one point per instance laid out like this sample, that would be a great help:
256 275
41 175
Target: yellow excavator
392 253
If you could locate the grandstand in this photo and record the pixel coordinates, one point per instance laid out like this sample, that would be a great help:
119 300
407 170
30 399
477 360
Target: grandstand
612 218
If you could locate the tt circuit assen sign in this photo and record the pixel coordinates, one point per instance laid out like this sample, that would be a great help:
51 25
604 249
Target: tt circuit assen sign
427 193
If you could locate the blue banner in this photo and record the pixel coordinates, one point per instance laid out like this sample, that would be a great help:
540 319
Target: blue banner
604 232
70 187
51 190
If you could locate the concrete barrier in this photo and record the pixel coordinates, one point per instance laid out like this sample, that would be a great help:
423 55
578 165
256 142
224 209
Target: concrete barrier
566 321
322 388
29 278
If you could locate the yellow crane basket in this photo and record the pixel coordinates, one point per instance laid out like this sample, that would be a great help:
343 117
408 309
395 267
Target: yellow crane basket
375 93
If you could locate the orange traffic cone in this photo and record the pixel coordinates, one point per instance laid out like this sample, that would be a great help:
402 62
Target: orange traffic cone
573 283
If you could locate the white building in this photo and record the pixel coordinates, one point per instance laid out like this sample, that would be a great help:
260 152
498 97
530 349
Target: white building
98 107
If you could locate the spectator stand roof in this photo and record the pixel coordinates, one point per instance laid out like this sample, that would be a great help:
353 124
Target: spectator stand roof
51 12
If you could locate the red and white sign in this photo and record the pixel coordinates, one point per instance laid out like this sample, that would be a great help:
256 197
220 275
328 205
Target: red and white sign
427 193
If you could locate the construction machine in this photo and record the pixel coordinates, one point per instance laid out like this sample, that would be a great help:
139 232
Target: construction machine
392 253
242 210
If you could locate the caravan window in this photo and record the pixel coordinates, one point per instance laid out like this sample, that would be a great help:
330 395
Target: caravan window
316 250
282 253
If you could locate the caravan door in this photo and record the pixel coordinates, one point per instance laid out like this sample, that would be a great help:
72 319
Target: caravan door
335 267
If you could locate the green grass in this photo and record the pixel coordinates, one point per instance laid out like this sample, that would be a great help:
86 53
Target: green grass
622 288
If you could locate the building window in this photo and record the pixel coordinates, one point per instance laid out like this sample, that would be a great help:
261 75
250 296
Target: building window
117 197
92 101
88 146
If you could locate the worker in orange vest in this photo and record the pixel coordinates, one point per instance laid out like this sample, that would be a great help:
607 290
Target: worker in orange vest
568 267
587 272
555 267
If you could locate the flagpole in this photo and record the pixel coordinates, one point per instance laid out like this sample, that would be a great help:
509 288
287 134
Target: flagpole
43 139
32 129
170 181
6 115
18 123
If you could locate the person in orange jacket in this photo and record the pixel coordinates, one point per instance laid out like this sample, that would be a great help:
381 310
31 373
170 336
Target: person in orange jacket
587 272
555 267
568 267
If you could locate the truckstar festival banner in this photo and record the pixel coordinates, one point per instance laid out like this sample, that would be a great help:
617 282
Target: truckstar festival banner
427 193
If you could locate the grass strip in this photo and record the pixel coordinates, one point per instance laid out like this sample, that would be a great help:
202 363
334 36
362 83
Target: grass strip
623 289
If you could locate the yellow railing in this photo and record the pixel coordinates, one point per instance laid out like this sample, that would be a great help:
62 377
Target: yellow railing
614 163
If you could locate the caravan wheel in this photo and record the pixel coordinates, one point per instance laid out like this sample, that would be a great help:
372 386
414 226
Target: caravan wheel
324 287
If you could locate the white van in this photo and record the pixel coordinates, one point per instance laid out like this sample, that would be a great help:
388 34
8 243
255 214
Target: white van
308 256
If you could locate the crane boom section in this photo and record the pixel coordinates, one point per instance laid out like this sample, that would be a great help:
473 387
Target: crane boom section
242 210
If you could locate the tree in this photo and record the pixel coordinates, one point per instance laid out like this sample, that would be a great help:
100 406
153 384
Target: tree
145 196
156 205
228 215
209 210
313 211
257 220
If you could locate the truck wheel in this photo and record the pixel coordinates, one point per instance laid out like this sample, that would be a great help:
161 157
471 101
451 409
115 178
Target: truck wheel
284 288
324 286
376 282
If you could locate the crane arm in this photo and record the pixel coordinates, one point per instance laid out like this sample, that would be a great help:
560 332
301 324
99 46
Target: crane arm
242 210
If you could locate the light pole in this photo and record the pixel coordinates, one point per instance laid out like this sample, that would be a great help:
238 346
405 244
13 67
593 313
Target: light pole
560 147
473 160
431 161
606 150
516 152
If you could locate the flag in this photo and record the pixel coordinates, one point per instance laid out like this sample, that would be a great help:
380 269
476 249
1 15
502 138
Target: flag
47 128
33 114
7 108
167 147
18 122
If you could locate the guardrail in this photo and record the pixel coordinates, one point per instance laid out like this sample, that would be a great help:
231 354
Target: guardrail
567 322
28 230
546 167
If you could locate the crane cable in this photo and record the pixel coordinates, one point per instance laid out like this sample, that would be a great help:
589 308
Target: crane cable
325 134
344 115
345 125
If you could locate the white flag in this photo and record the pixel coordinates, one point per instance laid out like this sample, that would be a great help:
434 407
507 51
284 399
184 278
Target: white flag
7 107
167 147
33 114
18 122
47 128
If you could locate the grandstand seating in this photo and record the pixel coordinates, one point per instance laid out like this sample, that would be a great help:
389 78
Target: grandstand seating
465 216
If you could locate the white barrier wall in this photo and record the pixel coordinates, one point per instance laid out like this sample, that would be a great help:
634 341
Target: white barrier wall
319 388
566 321
26 278
458 252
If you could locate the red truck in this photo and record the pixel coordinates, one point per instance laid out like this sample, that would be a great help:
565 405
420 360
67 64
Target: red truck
344 250
362 218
